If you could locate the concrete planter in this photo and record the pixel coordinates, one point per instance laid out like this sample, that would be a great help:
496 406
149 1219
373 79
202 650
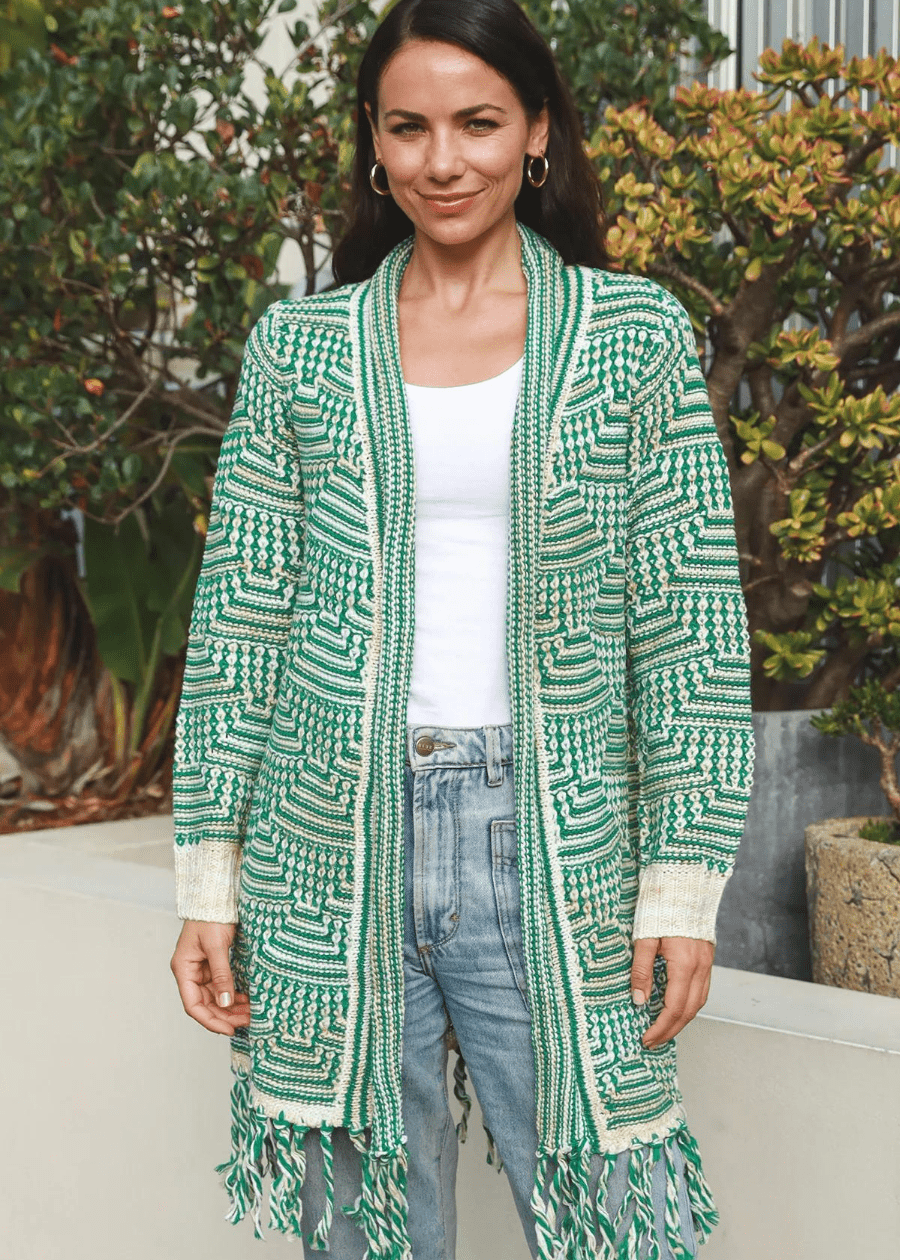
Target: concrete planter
853 890
800 777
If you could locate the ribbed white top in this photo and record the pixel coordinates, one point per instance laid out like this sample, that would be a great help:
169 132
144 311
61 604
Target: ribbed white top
461 440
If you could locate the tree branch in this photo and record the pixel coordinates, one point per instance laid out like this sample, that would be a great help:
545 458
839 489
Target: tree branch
696 286
861 337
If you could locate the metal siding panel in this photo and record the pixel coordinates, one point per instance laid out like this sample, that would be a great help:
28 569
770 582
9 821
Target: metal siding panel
856 37
887 21
749 49
820 20
863 26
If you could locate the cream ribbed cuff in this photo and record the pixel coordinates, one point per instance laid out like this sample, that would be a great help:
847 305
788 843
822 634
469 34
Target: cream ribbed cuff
678 899
207 881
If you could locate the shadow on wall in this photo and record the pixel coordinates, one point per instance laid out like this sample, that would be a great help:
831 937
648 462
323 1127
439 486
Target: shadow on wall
800 777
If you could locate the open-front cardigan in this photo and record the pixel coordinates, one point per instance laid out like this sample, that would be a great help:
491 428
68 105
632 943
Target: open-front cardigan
628 660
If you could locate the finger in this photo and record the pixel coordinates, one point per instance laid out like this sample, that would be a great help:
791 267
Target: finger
645 951
235 1016
194 1001
241 1003
707 982
695 1000
669 1020
220 977
691 1006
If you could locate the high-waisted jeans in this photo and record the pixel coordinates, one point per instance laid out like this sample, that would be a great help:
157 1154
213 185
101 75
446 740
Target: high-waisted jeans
463 964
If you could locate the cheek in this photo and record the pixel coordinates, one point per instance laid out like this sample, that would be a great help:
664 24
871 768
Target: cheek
404 161
497 162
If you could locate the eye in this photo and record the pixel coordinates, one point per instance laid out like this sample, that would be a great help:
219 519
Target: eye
489 123
401 128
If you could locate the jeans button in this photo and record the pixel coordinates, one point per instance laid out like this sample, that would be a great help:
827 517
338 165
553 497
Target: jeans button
424 745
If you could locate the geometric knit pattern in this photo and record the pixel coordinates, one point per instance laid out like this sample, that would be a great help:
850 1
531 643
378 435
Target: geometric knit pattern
629 674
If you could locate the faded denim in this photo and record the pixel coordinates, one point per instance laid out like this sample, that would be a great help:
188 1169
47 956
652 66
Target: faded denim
463 964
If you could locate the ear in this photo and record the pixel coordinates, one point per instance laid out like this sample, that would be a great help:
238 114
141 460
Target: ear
374 131
539 132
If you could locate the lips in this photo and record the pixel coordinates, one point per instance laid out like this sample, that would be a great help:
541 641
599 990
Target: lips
446 201
454 205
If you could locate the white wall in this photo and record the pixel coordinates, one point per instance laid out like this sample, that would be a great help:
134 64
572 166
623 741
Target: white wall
115 1103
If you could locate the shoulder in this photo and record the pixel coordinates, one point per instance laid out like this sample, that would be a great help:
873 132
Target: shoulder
641 321
316 310
301 332
618 297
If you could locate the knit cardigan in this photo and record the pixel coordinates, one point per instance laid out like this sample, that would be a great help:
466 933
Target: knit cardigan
628 663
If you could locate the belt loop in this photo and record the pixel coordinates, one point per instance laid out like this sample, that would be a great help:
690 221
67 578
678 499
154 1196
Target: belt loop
493 756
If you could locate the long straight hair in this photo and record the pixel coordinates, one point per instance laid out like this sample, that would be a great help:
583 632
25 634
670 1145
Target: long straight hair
567 209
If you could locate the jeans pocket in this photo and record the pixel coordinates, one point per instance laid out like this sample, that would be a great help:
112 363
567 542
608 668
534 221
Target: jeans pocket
507 894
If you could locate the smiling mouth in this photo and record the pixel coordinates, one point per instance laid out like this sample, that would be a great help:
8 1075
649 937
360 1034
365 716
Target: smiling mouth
451 201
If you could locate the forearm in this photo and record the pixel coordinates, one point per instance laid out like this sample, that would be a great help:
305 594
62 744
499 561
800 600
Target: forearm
238 639
688 651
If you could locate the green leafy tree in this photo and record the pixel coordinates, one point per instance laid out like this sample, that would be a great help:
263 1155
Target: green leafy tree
144 199
146 196
776 219
23 24
627 52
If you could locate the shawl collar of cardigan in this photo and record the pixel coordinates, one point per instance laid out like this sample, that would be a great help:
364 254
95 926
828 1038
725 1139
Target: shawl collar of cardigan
320 449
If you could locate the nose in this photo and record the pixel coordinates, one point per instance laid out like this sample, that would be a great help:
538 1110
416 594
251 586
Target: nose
443 159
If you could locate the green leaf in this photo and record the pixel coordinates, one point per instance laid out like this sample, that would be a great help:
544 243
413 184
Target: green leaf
116 587
14 563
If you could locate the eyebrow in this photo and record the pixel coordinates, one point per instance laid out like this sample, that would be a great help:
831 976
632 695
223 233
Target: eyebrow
460 113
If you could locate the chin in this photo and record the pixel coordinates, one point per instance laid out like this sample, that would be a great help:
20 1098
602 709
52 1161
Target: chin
450 232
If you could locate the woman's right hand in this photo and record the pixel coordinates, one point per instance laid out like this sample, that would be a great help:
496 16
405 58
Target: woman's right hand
202 968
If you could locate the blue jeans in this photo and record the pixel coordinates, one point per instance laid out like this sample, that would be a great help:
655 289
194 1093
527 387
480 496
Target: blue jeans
463 965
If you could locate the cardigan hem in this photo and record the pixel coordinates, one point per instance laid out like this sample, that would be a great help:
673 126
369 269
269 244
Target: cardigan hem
570 1220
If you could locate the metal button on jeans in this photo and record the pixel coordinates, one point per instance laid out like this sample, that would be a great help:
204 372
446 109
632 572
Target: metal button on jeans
424 745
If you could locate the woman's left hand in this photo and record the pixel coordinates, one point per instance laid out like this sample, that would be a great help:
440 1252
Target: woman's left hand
688 971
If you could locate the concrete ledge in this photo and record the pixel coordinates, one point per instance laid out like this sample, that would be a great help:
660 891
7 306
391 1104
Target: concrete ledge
116 1104
800 1009
97 860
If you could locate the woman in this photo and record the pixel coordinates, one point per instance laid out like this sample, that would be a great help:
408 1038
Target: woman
464 746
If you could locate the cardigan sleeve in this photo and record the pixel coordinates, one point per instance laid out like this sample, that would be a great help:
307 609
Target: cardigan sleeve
240 622
687 644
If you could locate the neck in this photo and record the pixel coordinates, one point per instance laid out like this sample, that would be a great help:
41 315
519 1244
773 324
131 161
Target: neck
456 275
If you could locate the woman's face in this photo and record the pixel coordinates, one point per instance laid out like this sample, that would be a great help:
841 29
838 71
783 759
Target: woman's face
453 136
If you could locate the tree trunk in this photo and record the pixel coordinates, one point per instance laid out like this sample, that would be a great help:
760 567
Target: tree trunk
50 719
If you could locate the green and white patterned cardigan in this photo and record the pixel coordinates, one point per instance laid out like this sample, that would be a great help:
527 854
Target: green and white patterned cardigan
629 677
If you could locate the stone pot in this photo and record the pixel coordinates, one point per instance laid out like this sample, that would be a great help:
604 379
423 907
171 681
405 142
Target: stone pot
853 892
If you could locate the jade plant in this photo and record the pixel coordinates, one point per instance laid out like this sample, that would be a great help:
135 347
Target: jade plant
775 216
872 713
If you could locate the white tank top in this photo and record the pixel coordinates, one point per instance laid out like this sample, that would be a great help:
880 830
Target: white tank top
461 442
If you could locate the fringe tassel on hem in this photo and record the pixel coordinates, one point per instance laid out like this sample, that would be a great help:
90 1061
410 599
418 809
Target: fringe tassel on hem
574 1224
571 1221
706 1215
318 1239
459 1090
263 1144
381 1209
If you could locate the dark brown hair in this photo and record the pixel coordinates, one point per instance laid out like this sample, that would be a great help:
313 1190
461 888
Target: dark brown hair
567 209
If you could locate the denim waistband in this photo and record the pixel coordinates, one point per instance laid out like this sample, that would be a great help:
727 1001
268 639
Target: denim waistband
490 746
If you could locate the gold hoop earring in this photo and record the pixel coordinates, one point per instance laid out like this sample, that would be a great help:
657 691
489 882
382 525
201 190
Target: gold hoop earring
537 183
382 192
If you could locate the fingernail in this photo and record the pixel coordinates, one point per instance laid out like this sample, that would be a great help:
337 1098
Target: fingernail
224 999
637 997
